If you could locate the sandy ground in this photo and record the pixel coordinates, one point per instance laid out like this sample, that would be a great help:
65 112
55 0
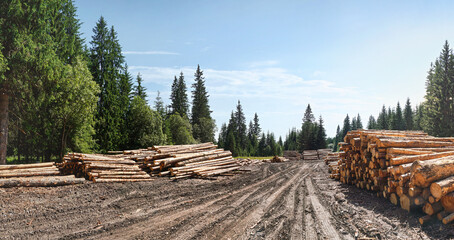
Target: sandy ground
291 200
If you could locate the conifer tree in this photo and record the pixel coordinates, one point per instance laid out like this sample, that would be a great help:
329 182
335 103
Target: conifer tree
439 104
408 115
159 106
125 94
398 122
346 128
321 135
354 126
336 139
106 66
202 123
241 131
306 136
372 124
382 120
359 123
140 90
179 97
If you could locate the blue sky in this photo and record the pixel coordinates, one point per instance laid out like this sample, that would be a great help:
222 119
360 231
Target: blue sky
342 57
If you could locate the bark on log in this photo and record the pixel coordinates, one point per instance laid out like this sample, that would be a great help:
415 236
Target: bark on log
431 209
423 157
426 172
448 218
23 166
442 187
40 181
448 202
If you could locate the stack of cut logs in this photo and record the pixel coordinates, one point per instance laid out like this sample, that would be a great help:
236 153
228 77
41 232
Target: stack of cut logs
410 168
277 159
34 175
103 168
293 155
176 161
332 161
310 155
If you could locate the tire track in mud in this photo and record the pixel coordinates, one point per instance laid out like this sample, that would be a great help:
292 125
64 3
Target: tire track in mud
241 229
145 220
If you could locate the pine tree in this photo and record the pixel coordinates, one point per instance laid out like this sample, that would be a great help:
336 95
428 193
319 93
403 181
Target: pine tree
382 120
347 127
256 126
321 135
408 115
140 90
419 118
125 93
354 126
372 124
202 123
159 106
359 123
397 122
106 67
337 139
439 104
307 136
241 131
179 97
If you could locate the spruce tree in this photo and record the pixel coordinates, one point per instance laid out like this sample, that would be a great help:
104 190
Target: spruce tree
202 123
321 135
337 139
354 126
125 94
241 131
382 120
408 115
372 124
140 90
179 97
307 136
439 104
256 126
359 123
106 66
398 122
159 106
346 128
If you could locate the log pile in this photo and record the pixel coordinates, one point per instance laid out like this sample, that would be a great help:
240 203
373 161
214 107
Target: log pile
410 168
323 153
277 159
293 155
34 175
103 168
310 155
176 161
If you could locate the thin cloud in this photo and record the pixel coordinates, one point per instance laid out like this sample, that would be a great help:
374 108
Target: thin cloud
258 64
149 53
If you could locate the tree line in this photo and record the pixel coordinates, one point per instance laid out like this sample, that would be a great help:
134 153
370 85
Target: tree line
59 94
247 141
311 136
434 115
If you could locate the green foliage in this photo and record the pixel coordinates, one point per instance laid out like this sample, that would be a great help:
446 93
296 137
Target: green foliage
372 124
291 140
180 129
202 123
179 97
397 120
159 106
140 90
439 104
346 128
145 125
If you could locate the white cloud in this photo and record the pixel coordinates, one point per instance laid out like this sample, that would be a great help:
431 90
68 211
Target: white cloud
149 53
259 64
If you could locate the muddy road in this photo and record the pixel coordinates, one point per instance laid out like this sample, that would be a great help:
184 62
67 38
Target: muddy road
291 200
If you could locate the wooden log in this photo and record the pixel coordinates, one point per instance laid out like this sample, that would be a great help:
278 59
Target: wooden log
414 191
23 166
442 215
30 174
426 172
442 187
408 151
125 176
448 218
110 180
425 219
423 157
394 199
40 181
407 203
419 201
431 209
170 161
448 202
413 143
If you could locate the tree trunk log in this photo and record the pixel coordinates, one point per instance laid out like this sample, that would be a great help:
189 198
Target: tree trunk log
425 172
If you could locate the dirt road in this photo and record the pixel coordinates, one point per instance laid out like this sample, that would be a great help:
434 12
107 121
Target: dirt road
292 200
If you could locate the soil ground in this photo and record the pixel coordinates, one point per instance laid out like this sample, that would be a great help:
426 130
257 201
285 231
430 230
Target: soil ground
291 200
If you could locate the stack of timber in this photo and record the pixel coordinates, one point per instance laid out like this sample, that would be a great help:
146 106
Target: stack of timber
310 155
293 155
323 153
103 168
410 168
277 159
34 175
